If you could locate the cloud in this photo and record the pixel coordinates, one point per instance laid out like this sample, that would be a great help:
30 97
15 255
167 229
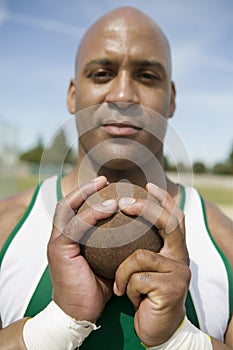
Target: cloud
47 24
196 68
4 15
37 22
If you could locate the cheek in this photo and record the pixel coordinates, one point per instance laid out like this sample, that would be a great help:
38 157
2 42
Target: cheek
158 101
92 138
89 95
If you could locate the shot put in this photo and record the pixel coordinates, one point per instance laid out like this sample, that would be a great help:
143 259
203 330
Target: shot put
107 244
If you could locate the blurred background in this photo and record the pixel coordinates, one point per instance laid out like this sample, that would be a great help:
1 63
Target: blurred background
38 44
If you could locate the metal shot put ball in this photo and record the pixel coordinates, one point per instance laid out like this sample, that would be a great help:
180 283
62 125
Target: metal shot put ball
107 244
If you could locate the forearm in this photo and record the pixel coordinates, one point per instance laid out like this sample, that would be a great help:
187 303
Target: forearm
11 337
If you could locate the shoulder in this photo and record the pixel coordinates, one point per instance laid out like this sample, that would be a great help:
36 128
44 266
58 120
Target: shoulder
221 228
11 211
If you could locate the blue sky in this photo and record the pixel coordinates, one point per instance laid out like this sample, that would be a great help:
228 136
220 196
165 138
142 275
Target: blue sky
38 43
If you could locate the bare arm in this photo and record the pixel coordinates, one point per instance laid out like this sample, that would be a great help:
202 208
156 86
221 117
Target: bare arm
11 211
11 337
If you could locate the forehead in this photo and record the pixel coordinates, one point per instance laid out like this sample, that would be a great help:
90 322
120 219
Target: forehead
122 39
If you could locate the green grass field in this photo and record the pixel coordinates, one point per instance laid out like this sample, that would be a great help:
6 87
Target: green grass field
217 195
10 184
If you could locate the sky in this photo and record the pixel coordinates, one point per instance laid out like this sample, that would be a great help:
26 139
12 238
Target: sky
38 44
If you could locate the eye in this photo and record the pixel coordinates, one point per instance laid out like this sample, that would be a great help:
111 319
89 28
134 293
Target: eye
101 76
148 77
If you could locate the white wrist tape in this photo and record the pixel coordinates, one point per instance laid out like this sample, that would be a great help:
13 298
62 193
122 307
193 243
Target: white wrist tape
187 337
53 329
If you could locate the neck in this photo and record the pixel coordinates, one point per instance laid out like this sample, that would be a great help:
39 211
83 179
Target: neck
86 169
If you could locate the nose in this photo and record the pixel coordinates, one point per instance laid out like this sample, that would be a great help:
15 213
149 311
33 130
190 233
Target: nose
123 91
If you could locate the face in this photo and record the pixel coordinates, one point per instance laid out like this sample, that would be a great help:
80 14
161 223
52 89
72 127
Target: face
121 68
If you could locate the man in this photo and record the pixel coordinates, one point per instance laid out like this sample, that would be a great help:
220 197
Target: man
123 62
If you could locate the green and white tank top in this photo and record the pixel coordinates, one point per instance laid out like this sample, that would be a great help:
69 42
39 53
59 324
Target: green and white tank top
25 285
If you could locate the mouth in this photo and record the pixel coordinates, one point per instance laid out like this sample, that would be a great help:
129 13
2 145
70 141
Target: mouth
120 129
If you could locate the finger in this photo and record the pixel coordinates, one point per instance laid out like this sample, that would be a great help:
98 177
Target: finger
175 223
80 224
159 286
150 211
140 261
65 209
166 223
165 200
76 198
77 227
145 283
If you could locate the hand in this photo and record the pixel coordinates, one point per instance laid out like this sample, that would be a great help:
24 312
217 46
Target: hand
76 289
156 283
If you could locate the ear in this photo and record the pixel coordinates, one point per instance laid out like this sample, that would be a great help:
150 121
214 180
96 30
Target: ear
71 97
172 100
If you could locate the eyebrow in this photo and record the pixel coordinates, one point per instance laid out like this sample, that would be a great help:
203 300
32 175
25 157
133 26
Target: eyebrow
151 64
99 62
140 62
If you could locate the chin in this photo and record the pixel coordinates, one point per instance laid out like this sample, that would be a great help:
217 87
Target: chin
119 164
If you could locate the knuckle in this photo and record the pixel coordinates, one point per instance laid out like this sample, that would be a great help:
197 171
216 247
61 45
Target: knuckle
87 189
173 223
167 199
145 277
62 207
140 254
83 190
138 278
77 227
61 204
71 226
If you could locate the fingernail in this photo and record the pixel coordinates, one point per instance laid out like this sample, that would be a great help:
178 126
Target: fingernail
97 179
115 289
109 202
126 202
150 184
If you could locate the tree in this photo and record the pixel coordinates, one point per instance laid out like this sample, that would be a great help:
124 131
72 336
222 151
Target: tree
230 159
34 154
199 168
222 169
167 164
225 168
59 152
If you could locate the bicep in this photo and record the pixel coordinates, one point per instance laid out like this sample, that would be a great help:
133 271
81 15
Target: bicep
9 218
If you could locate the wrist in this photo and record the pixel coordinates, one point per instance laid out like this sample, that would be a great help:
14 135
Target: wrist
163 331
187 336
53 329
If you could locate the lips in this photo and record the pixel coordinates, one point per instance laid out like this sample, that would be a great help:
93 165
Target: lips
120 129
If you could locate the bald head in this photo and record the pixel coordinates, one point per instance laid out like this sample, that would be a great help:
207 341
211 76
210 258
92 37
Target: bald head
125 20
123 60
124 57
